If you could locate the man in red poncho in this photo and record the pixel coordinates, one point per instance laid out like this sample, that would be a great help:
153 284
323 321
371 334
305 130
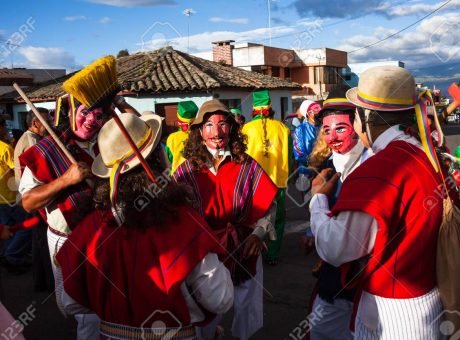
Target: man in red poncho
236 197
143 261
382 213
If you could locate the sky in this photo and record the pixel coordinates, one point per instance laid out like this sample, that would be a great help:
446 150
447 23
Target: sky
72 33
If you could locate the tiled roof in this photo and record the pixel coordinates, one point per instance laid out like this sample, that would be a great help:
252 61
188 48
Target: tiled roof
168 70
7 77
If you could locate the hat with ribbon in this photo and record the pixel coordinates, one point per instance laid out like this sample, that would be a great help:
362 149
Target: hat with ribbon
384 88
186 111
261 102
116 156
336 101
392 88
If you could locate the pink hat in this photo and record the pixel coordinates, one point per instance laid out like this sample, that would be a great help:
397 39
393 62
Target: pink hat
305 106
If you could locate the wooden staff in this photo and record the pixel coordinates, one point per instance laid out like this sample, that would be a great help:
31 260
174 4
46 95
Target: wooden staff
45 124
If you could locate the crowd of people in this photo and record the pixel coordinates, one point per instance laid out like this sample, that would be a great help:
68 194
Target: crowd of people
176 246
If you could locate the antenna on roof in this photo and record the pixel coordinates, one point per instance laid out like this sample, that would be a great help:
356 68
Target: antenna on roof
188 12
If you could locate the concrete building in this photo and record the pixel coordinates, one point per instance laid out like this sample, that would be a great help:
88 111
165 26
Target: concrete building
317 70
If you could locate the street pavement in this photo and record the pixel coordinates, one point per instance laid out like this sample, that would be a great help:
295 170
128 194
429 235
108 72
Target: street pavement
287 287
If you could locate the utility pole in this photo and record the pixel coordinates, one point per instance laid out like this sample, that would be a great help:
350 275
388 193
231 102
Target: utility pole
269 22
319 57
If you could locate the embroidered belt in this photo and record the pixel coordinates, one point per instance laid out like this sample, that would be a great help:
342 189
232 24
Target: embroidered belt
117 331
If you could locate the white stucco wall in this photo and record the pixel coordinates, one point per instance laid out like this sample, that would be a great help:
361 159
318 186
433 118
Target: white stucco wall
147 103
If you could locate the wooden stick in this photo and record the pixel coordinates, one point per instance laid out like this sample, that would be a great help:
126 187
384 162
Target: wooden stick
45 124
133 146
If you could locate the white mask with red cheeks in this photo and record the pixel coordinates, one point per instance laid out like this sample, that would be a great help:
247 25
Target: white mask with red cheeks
216 131
339 133
88 123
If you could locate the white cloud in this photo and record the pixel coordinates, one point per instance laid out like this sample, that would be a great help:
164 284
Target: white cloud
433 42
47 57
166 35
75 18
133 3
359 8
105 20
239 21
421 8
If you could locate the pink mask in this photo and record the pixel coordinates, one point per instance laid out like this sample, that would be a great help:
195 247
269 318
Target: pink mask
88 123
339 133
216 131
314 108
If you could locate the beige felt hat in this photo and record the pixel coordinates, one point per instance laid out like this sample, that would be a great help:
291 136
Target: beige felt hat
145 132
210 106
384 88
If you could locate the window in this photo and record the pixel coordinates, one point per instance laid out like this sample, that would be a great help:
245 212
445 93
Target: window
284 107
287 72
232 103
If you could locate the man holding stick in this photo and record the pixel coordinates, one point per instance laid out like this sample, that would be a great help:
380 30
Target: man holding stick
56 187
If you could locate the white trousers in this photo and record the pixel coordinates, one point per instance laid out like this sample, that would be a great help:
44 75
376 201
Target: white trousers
332 320
248 308
88 324
409 319
248 305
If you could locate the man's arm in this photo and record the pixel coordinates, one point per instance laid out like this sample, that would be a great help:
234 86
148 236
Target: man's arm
40 196
210 284
343 238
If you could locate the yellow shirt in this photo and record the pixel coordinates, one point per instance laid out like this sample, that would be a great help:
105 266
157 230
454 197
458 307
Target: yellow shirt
7 183
174 147
273 158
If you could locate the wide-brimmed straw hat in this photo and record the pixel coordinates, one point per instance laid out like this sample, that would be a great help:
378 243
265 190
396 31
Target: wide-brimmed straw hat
113 147
384 88
210 106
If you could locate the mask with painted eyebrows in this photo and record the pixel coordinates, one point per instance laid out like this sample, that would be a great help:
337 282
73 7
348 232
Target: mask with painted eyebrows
339 133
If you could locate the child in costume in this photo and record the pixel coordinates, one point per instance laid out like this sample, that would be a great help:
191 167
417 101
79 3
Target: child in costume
186 113
274 155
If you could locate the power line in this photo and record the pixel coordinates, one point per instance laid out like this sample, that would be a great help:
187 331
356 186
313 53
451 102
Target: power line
405 28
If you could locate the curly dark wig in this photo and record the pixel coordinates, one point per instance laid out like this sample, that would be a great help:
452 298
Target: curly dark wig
141 202
197 154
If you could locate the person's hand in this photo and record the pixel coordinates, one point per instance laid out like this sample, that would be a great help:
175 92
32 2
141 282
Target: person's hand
5 234
322 185
76 173
253 246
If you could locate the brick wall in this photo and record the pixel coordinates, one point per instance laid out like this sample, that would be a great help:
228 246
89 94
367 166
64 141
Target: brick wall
222 52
